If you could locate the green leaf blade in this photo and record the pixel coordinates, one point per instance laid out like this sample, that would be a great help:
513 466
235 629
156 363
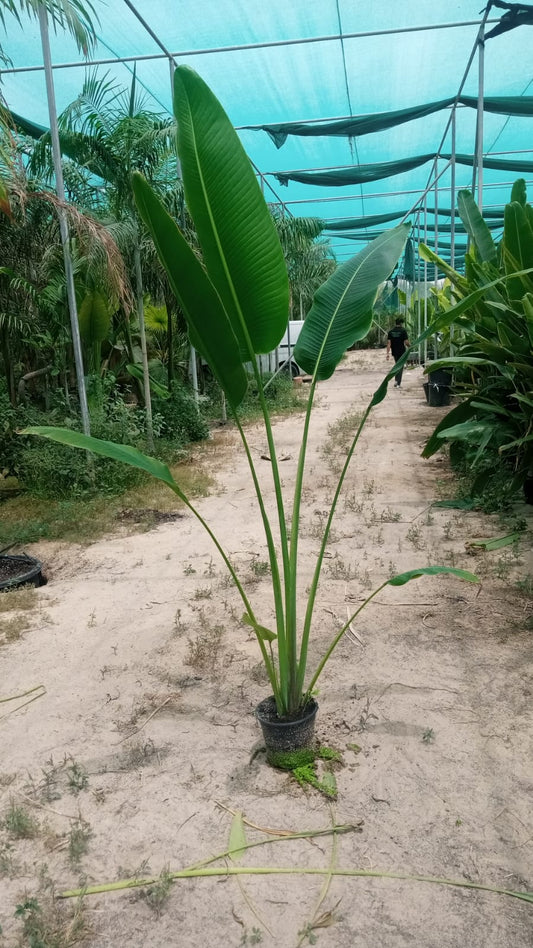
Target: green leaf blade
402 578
108 449
241 249
210 330
342 308
476 227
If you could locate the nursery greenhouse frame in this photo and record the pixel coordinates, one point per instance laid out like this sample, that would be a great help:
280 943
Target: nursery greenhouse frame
360 115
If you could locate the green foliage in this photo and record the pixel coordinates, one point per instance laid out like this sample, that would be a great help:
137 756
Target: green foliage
177 419
490 430
235 302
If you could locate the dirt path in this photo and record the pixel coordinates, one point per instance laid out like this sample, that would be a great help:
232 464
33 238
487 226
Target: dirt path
146 734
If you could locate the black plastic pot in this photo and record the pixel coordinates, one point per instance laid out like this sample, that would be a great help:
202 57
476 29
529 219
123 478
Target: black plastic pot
438 395
20 570
287 740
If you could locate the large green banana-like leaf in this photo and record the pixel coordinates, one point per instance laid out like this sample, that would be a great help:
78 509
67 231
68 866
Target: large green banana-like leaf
476 227
518 247
94 318
462 412
210 329
108 449
240 246
342 308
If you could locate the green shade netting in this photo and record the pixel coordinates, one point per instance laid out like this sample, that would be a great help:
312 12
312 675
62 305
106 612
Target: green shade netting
378 122
339 177
355 223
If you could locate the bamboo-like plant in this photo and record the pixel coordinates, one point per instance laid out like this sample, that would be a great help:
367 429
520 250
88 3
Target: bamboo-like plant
236 306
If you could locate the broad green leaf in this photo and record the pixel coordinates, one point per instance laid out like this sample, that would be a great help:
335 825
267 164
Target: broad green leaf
136 371
342 308
519 192
431 257
512 340
475 431
240 246
460 413
237 838
404 578
517 247
476 227
329 783
260 630
94 318
209 327
497 544
108 449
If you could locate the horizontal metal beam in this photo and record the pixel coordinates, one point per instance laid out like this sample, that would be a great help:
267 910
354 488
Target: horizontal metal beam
182 54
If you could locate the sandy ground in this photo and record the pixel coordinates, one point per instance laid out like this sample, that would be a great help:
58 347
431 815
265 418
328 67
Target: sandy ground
145 739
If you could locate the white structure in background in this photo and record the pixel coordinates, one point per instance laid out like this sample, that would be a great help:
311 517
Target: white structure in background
281 358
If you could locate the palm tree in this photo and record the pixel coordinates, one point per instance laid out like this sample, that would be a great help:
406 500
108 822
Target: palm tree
71 15
109 132
309 263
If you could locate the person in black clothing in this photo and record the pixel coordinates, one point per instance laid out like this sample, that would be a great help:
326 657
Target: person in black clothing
397 343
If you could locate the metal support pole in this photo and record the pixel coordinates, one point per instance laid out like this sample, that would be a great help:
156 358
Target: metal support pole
478 160
193 366
63 225
144 350
453 189
425 350
452 205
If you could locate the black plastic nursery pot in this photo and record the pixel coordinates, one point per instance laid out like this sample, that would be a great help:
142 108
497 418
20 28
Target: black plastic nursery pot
438 388
438 395
20 570
288 742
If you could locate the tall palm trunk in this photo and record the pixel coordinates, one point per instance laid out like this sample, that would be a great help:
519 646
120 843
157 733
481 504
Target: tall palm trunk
144 351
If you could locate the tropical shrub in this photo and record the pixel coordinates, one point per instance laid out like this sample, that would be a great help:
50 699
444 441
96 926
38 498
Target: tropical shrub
493 360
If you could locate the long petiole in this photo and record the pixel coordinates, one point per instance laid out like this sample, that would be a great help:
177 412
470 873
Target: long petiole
338 637
320 558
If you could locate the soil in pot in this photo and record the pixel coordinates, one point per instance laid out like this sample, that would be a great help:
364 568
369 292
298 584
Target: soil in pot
289 741
20 571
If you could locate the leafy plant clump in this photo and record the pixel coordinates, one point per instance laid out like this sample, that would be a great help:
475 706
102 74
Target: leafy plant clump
489 430
235 301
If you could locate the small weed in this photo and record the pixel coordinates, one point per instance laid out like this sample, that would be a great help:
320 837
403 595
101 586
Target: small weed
21 599
255 937
448 530
78 842
156 895
138 754
203 592
92 620
379 538
19 823
369 488
351 502
47 923
338 569
390 516
392 569
6 860
525 585
179 626
189 570
414 536
260 568
430 519
77 778
203 651
13 629
428 736
210 569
